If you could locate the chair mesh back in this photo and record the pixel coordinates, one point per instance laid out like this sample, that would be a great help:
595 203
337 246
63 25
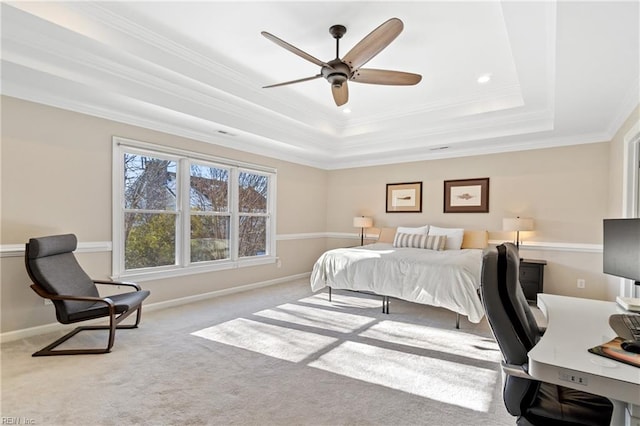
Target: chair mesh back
510 318
51 264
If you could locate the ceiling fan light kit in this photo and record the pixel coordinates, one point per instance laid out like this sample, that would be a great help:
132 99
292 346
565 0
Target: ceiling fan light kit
339 71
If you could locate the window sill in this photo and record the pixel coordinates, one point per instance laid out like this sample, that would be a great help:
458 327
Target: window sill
138 276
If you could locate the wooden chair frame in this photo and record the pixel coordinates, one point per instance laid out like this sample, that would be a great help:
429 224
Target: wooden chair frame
114 320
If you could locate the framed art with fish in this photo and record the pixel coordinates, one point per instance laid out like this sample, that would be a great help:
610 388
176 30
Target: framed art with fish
466 196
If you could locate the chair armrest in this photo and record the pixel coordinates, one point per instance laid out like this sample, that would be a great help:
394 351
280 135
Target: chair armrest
516 370
43 293
124 283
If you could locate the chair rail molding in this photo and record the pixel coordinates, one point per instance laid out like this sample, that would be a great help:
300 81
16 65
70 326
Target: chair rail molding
17 250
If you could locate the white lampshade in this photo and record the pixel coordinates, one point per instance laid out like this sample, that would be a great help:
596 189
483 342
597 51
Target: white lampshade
362 222
517 224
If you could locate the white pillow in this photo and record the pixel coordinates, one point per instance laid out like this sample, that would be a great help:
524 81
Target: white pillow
406 230
454 236
423 241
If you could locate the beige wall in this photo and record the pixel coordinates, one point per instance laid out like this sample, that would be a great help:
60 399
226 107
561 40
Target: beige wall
563 189
56 178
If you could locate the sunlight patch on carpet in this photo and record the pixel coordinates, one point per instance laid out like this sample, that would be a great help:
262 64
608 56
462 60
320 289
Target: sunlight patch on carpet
445 381
436 339
321 318
426 361
279 342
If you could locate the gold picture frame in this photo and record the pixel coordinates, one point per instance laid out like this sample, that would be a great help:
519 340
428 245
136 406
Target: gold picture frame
404 197
466 196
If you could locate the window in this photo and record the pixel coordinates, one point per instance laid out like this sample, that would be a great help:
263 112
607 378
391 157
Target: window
177 212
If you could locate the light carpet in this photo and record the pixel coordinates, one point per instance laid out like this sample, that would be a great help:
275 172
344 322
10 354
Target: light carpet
273 356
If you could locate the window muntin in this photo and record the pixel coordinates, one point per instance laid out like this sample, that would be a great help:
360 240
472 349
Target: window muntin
180 211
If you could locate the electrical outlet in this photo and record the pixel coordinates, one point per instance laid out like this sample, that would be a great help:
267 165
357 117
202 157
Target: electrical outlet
570 376
279 263
581 283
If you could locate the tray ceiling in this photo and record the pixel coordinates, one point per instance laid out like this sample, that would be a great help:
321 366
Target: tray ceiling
560 73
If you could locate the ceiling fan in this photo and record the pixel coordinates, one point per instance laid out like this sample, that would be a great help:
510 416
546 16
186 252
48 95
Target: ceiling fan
338 71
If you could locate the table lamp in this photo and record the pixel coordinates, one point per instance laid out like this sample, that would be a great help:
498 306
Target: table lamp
362 222
517 224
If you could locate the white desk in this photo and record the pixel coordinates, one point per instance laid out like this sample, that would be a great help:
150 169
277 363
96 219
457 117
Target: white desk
573 326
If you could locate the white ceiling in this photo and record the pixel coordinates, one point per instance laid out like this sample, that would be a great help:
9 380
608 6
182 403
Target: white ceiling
561 73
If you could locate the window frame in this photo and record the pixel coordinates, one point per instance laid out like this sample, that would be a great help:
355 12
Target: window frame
183 264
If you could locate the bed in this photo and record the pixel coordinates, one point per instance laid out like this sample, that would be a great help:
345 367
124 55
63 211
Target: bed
444 278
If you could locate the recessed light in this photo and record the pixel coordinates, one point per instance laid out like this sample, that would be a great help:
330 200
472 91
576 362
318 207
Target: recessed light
346 111
485 78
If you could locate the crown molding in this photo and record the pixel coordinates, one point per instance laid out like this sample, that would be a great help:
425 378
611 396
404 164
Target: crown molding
108 62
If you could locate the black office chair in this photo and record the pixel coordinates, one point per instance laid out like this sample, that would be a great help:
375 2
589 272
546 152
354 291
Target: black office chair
516 331
56 275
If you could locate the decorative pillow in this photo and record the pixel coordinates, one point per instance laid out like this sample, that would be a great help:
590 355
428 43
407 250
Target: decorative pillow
423 241
454 236
407 230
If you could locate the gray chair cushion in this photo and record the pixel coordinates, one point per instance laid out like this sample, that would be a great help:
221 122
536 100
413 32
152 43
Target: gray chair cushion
123 303
55 268
54 244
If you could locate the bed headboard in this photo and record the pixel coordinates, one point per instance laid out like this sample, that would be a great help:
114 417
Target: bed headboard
387 235
475 239
471 239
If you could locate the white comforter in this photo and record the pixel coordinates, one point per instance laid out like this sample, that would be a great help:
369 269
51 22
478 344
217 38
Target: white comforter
448 278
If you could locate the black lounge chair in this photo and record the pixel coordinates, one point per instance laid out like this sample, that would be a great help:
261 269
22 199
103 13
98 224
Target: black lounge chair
56 275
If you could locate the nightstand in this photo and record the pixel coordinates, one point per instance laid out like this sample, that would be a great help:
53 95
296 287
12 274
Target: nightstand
532 277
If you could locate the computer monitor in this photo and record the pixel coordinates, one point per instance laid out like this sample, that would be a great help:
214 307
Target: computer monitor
621 248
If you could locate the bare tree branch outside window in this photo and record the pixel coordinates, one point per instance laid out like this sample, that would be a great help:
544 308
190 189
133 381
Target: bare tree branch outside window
151 211
150 216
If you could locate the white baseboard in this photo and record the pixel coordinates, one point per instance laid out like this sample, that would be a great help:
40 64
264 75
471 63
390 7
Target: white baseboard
24 333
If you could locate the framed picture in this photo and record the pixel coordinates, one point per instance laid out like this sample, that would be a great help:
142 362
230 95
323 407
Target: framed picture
466 196
404 197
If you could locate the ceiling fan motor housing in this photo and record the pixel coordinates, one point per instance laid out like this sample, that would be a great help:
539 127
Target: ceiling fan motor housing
337 72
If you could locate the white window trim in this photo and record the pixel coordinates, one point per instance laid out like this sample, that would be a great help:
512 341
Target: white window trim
186 267
630 190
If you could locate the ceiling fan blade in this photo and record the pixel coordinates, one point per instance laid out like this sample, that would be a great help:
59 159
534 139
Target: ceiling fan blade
391 78
340 93
300 80
293 49
373 43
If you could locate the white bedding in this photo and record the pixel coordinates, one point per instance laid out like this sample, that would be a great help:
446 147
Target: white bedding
448 278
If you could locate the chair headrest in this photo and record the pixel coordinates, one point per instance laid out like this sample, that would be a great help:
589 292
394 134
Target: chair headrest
51 245
512 322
